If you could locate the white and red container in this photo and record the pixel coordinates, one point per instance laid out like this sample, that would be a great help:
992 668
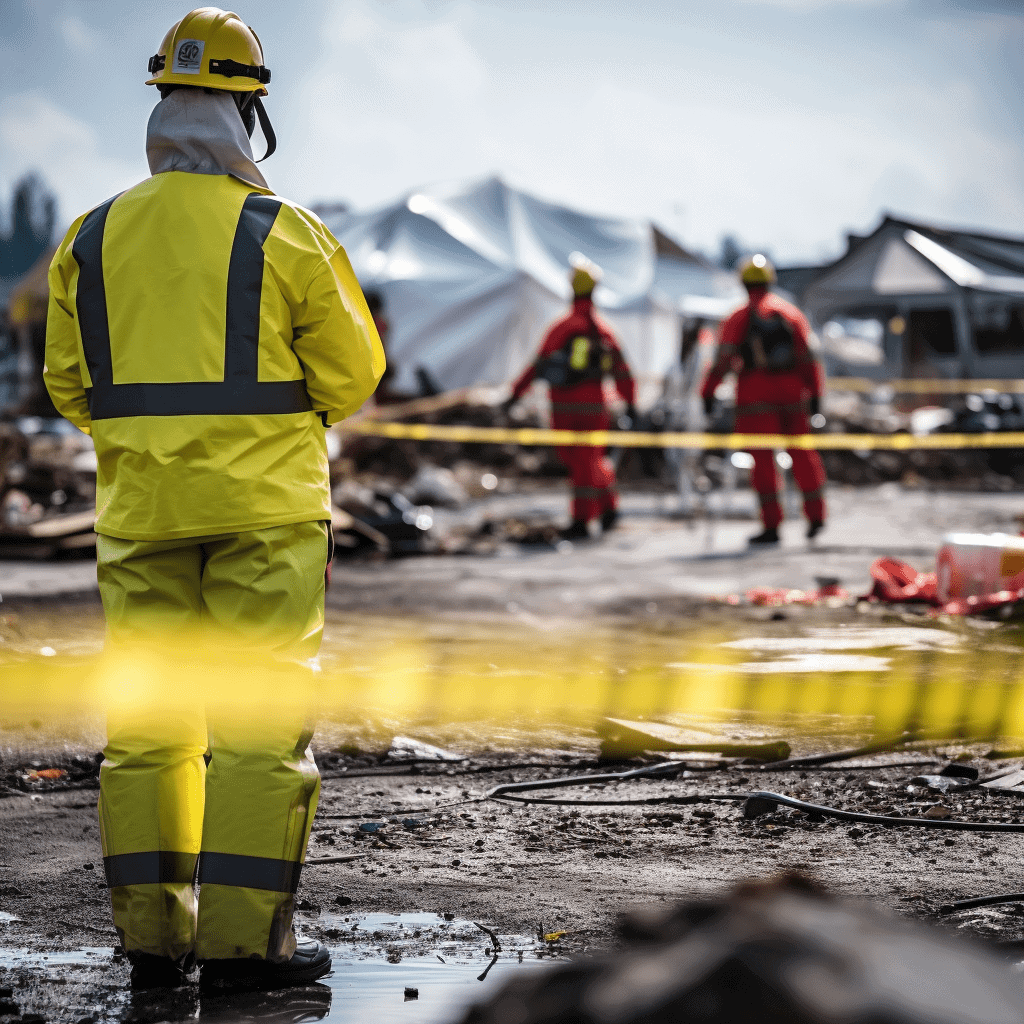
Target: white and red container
978 564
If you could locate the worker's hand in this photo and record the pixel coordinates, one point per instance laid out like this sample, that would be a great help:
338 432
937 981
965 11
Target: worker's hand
709 407
507 406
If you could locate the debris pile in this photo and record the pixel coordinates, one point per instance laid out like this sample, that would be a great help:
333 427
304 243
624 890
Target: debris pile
379 519
776 951
47 487
846 412
999 469
398 461
57 772
828 593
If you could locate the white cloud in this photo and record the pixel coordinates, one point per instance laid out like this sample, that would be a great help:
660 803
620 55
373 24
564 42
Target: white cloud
787 174
79 36
395 104
813 5
37 135
390 105
413 57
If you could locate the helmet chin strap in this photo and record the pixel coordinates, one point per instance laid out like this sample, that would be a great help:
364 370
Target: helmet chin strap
251 107
267 129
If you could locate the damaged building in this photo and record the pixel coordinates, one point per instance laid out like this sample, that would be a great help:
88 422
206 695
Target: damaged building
913 301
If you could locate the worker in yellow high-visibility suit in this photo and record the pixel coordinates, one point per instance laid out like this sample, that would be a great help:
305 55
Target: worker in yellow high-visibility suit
205 331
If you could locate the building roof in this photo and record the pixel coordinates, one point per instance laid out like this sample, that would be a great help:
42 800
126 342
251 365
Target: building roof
905 257
994 254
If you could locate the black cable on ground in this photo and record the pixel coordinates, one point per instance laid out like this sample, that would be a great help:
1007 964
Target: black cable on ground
982 901
660 770
814 760
764 803
875 767
689 798
414 768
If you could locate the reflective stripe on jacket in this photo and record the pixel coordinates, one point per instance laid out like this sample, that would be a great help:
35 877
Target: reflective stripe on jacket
203 333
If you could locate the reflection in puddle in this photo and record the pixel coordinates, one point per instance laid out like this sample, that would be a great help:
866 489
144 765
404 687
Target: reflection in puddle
404 968
377 990
379 958
91 956
817 663
903 638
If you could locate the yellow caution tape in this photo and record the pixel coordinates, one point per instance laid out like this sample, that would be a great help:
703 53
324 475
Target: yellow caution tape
677 439
927 387
508 692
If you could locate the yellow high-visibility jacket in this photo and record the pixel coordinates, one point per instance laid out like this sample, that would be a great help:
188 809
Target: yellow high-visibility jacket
204 332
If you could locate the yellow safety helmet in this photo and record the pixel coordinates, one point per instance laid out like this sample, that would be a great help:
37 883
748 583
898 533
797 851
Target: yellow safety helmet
584 275
213 49
757 270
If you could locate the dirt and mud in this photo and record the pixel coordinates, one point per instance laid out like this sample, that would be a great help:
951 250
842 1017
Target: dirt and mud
398 838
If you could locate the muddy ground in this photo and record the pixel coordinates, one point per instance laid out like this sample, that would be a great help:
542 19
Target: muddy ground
520 869
436 842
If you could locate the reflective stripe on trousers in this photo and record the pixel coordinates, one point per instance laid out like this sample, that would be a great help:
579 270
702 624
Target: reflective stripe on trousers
242 822
808 471
593 481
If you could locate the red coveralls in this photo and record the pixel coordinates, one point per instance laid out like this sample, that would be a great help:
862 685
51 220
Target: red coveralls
773 402
583 408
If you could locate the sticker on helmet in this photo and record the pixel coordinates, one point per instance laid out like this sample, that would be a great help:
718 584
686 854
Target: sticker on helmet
188 56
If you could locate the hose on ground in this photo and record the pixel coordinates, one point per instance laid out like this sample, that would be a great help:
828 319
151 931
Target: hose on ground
689 798
764 803
981 901
660 770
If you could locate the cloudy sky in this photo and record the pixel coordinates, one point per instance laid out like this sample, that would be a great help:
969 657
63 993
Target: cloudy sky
787 122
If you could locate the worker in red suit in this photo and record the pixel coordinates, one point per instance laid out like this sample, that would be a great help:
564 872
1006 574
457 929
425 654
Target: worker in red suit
578 353
779 385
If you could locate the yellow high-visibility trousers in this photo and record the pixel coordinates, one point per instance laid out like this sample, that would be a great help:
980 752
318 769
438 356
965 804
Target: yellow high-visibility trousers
207 639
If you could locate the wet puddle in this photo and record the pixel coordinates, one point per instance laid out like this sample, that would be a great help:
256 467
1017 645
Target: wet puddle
88 956
388 968
902 638
815 663
502 685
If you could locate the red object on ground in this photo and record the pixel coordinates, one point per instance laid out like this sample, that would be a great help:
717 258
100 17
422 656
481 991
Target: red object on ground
899 583
772 597
583 408
773 401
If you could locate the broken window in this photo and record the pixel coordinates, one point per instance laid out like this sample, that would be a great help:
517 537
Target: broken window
930 332
998 326
855 341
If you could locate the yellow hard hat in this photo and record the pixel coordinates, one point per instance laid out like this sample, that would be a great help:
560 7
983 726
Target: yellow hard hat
757 269
213 49
584 275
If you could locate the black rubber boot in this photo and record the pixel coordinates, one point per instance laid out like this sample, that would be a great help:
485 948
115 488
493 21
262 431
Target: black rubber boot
770 535
814 528
609 519
149 971
309 962
577 530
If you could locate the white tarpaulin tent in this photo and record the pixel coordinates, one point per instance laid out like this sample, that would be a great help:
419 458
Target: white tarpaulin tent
473 274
